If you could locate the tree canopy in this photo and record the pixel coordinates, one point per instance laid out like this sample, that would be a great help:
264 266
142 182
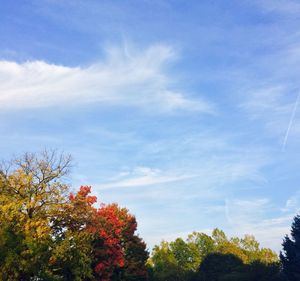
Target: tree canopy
49 233
186 259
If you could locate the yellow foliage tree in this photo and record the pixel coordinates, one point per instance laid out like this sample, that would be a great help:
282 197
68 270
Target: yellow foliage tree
32 195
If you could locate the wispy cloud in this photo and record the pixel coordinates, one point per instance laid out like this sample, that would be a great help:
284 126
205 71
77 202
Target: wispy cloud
142 176
246 212
276 107
280 6
255 216
292 205
266 100
137 78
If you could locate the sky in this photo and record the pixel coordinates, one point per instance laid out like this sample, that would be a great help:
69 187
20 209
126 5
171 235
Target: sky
185 112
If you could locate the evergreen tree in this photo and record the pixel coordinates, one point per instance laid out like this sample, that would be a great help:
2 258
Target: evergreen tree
290 257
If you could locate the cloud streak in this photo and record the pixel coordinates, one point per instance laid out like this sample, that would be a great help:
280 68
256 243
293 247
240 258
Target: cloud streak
143 176
291 122
137 79
275 108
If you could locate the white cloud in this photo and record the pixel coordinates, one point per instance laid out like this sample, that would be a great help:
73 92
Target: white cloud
142 176
292 204
136 78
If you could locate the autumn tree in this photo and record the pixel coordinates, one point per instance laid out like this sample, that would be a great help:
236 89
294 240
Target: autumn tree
31 197
116 243
48 233
71 257
116 252
134 250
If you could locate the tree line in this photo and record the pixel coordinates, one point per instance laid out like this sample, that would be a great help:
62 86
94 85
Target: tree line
215 257
49 233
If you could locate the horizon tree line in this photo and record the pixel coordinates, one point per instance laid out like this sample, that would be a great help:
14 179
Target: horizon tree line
50 233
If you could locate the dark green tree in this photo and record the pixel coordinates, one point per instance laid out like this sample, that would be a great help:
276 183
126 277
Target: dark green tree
260 271
136 256
229 267
290 256
218 266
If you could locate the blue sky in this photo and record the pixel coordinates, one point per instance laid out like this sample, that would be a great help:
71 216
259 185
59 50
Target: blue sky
183 111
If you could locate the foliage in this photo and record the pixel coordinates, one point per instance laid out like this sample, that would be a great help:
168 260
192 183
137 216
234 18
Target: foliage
46 234
219 265
204 244
134 249
181 259
229 267
31 197
164 264
290 257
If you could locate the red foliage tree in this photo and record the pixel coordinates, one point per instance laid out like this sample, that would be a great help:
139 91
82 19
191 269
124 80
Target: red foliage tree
108 253
109 226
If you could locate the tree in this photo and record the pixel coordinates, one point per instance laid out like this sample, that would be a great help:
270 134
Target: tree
181 259
261 271
229 267
117 252
136 257
71 256
31 197
186 255
219 266
203 243
164 264
290 256
135 253
46 233
100 231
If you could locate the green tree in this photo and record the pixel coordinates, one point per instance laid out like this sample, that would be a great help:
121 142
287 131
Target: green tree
290 256
261 271
186 254
136 257
218 236
203 243
219 266
228 267
164 264
181 259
